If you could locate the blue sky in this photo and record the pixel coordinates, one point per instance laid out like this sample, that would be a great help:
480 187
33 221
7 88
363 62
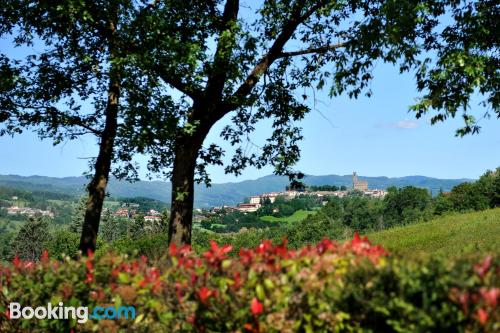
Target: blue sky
374 136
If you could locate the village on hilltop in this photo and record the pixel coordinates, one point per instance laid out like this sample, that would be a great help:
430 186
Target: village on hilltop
131 210
256 201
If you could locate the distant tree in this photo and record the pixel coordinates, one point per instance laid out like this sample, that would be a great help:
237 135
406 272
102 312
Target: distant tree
63 242
6 244
31 239
266 201
406 205
488 186
162 227
343 188
332 188
496 190
442 204
358 214
110 227
333 209
78 216
466 196
136 227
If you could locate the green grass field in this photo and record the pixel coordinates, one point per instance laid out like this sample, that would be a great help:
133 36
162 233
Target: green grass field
295 217
453 235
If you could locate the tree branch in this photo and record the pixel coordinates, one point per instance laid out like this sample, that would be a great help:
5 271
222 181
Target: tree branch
176 82
218 75
274 53
321 49
51 111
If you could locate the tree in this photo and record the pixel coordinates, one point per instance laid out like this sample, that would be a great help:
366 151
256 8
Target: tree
222 61
161 226
78 216
81 80
442 204
488 186
136 227
192 63
466 196
405 205
31 239
110 227
465 66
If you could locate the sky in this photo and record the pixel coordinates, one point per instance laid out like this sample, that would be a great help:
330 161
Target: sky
374 136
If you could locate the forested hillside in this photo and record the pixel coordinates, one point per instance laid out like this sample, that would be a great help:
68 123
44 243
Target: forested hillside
217 194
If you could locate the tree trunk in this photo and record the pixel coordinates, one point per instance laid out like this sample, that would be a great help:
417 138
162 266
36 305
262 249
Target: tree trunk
181 212
99 182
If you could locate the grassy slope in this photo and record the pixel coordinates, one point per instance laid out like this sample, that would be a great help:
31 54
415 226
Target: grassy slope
295 217
453 235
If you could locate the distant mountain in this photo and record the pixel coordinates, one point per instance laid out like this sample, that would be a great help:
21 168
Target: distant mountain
217 194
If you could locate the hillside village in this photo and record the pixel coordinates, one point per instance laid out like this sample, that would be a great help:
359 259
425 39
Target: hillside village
257 201
130 210
125 210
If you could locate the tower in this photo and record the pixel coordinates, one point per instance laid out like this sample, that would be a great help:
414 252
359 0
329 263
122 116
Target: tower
360 185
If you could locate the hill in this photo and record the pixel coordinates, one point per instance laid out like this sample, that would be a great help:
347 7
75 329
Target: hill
217 194
453 235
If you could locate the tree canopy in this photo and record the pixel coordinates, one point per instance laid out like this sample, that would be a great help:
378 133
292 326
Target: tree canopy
160 75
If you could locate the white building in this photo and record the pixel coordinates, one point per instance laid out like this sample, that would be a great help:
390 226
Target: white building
255 199
151 218
248 208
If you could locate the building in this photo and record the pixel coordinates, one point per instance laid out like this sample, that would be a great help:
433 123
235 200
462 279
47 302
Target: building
248 208
122 212
153 212
152 218
320 194
376 193
359 185
255 200
15 210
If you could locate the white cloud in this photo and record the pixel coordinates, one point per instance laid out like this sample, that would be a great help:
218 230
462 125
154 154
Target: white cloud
405 124
402 124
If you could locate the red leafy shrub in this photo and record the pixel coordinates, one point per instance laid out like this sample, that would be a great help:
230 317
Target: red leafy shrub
328 287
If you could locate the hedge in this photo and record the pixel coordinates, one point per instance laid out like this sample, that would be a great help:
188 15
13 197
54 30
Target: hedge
329 287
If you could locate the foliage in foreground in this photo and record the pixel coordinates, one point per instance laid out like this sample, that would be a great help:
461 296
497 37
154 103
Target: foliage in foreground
329 287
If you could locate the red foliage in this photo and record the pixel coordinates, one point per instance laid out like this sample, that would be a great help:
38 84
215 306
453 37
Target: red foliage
204 294
482 316
490 296
16 261
45 256
483 267
215 255
256 307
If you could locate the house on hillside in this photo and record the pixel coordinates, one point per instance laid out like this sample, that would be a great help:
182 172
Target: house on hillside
376 193
122 212
255 199
153 212
15 210
152 218
248 208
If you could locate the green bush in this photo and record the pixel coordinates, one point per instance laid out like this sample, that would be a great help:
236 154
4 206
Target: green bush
329 287
63 243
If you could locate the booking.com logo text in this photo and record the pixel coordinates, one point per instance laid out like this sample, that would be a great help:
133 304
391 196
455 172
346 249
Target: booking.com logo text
81 313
